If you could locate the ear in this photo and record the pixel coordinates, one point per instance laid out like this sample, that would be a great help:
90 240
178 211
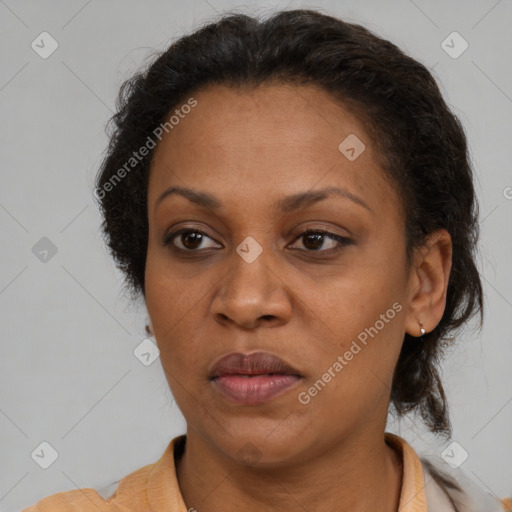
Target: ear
428 283
149 328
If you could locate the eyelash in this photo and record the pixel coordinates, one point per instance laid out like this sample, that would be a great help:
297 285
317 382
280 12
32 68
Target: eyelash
342 241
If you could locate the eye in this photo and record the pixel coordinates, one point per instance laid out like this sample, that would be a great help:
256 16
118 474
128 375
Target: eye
190 239
314 240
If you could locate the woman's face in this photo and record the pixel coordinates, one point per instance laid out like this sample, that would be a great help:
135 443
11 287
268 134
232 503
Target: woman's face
335 310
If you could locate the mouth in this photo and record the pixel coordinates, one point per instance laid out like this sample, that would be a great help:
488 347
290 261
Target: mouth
250 365
249 375
254 389
254 378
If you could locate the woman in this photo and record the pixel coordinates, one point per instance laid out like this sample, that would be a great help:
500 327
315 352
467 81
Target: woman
294 201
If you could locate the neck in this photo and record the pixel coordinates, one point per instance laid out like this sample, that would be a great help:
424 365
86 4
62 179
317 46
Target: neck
360 473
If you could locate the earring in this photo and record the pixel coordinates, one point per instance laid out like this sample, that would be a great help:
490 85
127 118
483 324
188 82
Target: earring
421 328
149 332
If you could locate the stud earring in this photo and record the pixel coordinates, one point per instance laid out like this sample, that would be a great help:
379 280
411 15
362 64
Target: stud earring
421 328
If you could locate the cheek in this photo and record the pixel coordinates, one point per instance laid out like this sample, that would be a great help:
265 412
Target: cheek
354 380
176 306
364 312
168 295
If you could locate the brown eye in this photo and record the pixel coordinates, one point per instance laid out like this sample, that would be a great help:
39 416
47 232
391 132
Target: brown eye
189 239
314 240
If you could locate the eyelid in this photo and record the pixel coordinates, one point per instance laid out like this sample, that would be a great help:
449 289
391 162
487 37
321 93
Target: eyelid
169 236
341 241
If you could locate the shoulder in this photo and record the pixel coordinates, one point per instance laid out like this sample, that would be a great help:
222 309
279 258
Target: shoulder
431 484
130 490
453 490
147 488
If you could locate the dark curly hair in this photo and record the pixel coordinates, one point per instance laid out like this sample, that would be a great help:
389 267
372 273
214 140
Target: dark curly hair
420 143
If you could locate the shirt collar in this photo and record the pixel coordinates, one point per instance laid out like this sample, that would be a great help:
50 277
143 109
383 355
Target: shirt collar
163 491
412 496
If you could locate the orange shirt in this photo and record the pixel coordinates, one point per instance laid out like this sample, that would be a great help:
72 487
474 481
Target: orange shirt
154 488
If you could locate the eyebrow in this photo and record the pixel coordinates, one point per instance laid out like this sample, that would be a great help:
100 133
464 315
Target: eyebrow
286 205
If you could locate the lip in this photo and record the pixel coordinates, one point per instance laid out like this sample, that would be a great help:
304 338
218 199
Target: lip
254 389
252 378
256 363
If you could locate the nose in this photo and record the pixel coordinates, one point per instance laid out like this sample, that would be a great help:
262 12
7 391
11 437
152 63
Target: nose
252 294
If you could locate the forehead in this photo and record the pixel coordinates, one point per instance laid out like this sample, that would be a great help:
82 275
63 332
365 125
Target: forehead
267 142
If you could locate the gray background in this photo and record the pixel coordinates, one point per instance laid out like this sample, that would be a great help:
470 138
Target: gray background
68 375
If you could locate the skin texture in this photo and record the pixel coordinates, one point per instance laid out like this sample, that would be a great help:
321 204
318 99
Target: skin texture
250 148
